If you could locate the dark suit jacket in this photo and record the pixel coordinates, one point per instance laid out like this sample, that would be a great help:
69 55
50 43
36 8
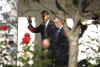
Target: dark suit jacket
41 29
59 46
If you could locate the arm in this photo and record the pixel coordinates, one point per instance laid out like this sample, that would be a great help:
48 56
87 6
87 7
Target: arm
31 28
34 30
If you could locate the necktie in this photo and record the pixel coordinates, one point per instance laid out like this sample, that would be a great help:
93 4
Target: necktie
45 31
45 28
58 32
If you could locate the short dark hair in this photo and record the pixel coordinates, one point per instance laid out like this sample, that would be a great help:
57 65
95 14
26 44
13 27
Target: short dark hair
44 12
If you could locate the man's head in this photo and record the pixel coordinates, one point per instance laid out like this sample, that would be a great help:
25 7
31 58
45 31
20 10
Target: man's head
45 15
57 22
56 19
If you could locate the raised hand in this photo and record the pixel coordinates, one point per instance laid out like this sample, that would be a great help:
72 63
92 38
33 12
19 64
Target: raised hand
29 19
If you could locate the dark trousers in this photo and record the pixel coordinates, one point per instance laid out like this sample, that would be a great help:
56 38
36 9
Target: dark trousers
59 65
56 65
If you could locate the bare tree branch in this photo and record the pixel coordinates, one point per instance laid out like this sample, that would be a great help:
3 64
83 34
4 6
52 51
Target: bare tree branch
61 8
28 10
41 4
76 20
85 4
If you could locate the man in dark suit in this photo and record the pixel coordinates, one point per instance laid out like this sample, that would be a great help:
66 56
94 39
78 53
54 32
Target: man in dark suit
46 29
61 45
53 31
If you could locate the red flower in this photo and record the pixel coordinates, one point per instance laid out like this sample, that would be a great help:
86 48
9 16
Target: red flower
0 28
4 27
25 40
27 35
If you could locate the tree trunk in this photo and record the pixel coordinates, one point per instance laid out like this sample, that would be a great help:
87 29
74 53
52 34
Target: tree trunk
73 52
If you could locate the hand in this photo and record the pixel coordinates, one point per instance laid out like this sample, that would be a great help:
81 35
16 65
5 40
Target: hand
29 19
57 22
